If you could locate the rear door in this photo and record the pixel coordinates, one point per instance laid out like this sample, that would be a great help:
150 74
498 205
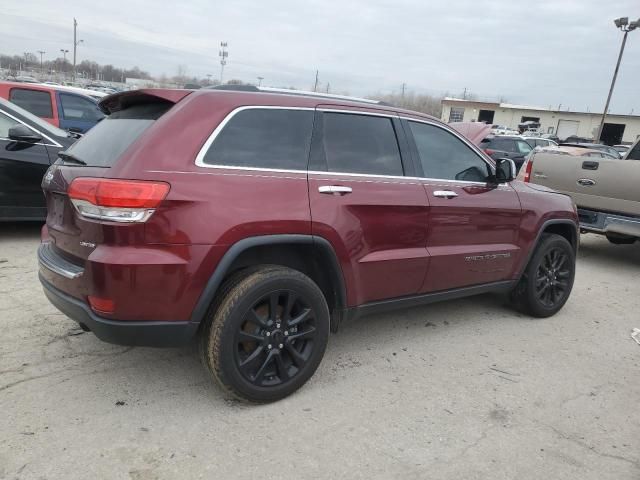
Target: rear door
364 204
77 113
38 102
473 227
22 165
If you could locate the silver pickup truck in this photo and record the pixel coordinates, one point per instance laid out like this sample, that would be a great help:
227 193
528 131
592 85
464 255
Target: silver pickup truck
606 191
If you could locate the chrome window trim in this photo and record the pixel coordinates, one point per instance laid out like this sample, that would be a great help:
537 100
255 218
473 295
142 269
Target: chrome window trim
223 123
53 142
199 162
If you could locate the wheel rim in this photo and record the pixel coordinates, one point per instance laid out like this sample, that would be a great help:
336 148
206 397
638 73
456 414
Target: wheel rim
553 277
275 339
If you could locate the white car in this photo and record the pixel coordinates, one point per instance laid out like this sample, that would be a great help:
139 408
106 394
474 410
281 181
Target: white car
503 130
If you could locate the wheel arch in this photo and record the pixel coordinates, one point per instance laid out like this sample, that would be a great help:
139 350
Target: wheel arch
564 227
311 255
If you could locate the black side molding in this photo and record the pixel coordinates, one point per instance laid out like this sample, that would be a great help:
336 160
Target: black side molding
427 298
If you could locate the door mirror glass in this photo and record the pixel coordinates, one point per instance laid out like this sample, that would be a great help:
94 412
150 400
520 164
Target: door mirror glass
505 170
22 133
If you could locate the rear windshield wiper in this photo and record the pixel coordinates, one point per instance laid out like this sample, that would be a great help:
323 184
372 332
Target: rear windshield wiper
69 157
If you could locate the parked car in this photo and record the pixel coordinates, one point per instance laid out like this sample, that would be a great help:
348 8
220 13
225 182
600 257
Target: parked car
576 139
259 222
59 106
610 151
503 146
539 142
503 130
28 145
605 189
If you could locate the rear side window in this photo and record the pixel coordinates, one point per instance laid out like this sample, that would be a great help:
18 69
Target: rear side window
264 138
503 144
34 101
104 143
361 144
75 107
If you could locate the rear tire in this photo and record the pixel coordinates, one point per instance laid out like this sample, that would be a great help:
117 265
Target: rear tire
266 335
548 279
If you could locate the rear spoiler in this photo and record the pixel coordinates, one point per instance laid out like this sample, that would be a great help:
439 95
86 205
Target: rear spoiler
120 101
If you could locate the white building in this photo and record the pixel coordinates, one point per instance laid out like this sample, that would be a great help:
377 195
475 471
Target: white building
617 128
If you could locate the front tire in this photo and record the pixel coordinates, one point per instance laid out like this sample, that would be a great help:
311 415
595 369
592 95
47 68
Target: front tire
548 279
267 335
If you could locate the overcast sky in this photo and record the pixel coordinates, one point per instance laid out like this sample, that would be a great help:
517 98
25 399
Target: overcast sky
542 52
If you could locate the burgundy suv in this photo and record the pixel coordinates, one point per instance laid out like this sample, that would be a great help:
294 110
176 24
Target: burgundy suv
260 221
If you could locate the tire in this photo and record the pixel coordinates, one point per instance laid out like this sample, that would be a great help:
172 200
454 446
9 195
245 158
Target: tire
619 239
265 334
547 281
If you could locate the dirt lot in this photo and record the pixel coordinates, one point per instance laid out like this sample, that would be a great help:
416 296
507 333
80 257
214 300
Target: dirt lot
460 390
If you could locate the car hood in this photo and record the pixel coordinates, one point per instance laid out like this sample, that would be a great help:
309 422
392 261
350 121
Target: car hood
473 131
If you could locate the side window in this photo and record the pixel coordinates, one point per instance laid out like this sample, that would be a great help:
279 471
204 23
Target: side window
5 124
34 101
361 144
264 138
444 156
522 146
634 154
78 108
503 144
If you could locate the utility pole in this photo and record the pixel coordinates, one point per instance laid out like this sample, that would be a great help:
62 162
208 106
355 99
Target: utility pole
328 85
404 85
41 52
315 85
260 80
223 58
626 27
76 42
464 95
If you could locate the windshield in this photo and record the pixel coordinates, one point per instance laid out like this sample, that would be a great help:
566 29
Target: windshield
44 127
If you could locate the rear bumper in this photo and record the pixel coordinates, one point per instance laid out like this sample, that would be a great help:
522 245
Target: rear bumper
143 334
602 222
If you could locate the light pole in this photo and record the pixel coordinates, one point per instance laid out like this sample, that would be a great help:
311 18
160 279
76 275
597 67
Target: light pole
41 52
223 58
208 79
626 27
260 80
76 42
64 61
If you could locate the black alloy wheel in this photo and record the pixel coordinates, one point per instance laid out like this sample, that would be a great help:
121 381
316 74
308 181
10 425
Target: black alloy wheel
276 338
266 333
552 277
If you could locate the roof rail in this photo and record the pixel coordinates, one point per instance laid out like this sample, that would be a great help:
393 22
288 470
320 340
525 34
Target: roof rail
287 91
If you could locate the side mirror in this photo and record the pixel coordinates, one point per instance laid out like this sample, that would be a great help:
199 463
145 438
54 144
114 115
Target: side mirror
505 170
22 133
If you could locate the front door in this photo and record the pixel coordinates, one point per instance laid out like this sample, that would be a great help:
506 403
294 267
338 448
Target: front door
473 227
362 202
22 166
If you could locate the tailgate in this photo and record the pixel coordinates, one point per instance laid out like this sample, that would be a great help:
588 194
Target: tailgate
608 185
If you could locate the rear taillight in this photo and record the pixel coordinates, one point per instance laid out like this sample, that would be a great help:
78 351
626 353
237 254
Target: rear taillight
116 200
527 170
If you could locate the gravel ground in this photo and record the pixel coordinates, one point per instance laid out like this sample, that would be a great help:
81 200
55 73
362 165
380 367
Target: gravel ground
459 390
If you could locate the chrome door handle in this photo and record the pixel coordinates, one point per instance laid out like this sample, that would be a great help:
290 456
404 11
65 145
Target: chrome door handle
445 194
586 182
334 189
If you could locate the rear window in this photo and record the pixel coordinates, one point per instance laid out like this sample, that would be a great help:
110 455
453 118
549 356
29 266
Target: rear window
34 101
105 142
